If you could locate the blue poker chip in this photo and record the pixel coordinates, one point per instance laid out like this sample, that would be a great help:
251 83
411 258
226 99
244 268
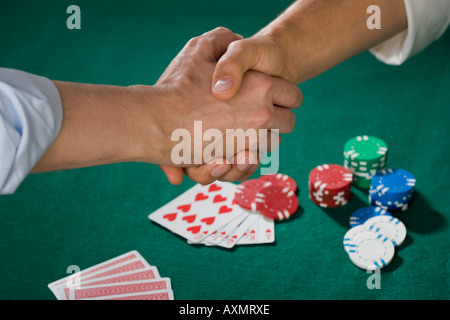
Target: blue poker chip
392 189
362 215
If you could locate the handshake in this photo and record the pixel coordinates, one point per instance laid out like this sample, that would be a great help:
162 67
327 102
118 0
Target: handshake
222 102
221 114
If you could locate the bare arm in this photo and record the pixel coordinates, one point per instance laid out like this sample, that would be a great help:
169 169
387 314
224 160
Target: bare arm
103 124
309 38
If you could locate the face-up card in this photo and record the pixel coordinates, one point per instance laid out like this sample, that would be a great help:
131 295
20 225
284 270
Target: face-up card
262 231
266 230
120 288
235 235
225 231
199 211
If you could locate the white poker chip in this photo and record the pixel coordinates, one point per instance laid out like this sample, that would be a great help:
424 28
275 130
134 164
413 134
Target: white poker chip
371 249
348 237
388 226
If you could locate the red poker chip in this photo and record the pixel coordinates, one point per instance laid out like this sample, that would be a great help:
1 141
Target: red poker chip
330 177
334 203
246 191
280 179
330 185
324 195
276 202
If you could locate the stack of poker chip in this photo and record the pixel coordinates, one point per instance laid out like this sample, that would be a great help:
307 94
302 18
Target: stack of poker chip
364 156
271 195
330 185
392 189
373 236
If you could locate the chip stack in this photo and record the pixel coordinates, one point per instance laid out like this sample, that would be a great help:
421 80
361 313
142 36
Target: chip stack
392 189
364 156
372 242
271 195
330 185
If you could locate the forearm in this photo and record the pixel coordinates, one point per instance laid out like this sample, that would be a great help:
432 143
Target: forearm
316 35
101 124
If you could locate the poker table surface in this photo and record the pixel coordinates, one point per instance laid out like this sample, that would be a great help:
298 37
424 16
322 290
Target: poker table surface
86 216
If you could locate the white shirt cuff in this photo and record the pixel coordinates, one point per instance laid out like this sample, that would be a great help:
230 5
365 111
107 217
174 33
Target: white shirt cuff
30 120
427 21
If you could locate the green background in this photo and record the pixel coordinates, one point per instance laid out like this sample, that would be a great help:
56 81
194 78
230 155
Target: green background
86 216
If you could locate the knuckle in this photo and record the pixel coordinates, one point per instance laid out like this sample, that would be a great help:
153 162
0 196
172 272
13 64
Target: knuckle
238 46
222 30
264 83
203 42
199 42
193 41
264 117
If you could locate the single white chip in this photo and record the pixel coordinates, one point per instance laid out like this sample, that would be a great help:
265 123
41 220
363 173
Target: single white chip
388 226
371 250
348 237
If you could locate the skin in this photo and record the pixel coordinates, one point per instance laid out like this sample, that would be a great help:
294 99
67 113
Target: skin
309 38
106 124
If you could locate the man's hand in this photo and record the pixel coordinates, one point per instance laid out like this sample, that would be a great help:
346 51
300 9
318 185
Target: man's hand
260 53
106 124
309 38
262 102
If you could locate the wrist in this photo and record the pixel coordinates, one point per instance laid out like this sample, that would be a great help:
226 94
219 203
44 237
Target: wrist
300 58
149 139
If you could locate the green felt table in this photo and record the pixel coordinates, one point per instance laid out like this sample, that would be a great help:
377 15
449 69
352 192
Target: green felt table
86 216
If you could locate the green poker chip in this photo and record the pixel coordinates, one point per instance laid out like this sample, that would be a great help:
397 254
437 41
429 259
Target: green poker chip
365 149
364 155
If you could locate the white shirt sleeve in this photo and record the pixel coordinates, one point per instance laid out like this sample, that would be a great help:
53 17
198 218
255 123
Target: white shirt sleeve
30 120
427 21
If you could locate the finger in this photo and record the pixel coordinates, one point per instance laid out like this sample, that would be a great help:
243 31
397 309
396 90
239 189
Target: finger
208 173
245 164
239 57
173 174
282 119
218 41
268 142
286 94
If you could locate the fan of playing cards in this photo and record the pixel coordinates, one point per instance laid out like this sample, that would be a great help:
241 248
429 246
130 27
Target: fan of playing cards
126 277
225 214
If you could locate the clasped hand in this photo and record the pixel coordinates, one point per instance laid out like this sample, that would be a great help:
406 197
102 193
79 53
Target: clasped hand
200 89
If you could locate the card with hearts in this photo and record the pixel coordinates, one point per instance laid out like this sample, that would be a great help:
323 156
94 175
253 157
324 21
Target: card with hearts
209 215
199 211
260 232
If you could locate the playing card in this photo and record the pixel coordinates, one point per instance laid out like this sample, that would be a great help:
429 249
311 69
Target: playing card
150 295
132 255
223 232
129 261
114 289
232 232
122 264
262 231
235 235
199 211
266 230
135 275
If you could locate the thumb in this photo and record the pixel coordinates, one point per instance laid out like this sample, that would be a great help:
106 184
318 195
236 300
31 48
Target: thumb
241 55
